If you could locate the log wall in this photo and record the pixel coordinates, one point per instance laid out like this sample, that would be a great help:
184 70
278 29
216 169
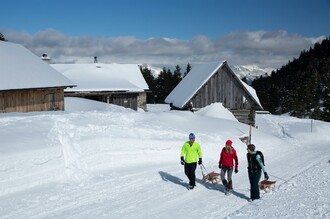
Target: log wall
125 99
225 88
32 100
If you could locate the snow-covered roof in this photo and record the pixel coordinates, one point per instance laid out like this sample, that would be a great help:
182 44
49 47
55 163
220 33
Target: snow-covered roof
252 91
103 77
197 77
21 69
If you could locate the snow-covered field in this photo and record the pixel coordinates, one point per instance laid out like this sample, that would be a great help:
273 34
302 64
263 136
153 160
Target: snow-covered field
102 161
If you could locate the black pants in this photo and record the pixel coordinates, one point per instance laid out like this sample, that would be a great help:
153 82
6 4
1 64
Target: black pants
189 170
254 177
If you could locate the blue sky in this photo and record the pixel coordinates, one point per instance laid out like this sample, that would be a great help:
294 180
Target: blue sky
136 21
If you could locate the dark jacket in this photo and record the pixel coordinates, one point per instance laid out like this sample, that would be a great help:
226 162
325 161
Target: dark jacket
255 162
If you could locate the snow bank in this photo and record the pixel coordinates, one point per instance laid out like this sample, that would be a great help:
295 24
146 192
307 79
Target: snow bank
216 110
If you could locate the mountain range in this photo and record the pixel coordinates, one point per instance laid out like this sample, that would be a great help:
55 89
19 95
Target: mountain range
250 72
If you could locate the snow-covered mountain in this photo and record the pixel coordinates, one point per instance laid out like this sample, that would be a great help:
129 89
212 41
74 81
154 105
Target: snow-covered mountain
155 71
248 71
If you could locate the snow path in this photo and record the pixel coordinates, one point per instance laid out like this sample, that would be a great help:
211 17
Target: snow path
309 189
106 194
124 164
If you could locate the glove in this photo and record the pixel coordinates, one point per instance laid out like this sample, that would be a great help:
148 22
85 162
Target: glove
266 175
236 170
182 161
200 161
220 166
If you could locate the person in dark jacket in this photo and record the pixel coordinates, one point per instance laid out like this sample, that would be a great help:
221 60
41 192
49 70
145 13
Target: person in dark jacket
226 163
255 165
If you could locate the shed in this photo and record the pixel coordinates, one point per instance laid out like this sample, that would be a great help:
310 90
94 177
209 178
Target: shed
27 83
211 83
119 84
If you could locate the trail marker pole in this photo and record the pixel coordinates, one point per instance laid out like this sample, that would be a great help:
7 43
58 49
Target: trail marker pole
312 125
250 133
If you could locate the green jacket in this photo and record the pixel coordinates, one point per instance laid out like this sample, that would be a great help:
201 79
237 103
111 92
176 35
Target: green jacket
191 153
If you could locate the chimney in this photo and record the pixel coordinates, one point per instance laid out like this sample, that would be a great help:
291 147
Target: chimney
45 58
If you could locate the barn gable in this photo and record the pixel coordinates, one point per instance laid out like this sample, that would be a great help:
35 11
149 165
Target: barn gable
27 83
211 83
120 84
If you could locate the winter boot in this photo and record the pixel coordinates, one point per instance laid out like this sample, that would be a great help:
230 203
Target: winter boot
225 184
230 185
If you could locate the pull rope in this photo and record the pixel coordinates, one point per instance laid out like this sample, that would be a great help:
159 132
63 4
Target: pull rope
202 166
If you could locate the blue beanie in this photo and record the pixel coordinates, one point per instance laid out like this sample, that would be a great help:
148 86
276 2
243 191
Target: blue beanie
191 135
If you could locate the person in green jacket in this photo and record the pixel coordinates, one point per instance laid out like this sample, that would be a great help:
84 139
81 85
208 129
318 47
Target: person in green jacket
255 165
191 153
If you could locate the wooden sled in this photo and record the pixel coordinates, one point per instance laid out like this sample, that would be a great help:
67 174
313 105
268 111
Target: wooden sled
212 177
266 185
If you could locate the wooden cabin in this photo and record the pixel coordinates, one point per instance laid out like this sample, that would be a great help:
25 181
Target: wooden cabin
215 82
119 84
27 83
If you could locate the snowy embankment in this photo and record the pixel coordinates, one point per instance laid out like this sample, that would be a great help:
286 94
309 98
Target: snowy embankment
103 161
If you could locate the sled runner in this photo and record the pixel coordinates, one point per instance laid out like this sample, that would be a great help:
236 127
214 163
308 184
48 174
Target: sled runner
266 185
212 177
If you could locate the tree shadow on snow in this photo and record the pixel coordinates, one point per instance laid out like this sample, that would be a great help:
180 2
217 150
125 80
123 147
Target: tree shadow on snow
168 177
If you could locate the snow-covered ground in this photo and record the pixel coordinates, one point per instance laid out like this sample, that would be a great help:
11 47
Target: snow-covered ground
102 161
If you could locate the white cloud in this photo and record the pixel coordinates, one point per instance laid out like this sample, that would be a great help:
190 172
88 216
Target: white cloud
262 48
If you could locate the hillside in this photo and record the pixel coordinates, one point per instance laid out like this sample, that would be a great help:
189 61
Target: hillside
301 87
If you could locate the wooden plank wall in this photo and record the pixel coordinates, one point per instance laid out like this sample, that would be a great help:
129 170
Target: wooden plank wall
125 99
32 100
222 87
128 100
243 115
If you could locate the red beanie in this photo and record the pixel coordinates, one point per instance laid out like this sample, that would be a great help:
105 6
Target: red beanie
229 143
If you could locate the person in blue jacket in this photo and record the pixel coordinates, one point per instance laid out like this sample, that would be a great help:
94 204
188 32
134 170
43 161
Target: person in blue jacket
255 165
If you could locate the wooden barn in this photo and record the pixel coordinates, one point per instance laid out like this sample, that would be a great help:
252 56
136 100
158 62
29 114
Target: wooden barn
119 84
27 83
215 82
